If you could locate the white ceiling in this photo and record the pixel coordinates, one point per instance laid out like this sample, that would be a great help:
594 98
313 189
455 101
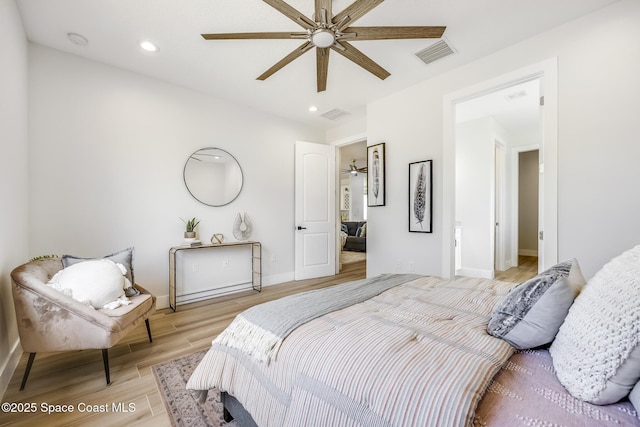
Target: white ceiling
228 69
515 108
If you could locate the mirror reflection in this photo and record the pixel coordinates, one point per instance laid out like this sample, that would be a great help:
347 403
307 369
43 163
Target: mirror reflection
213 176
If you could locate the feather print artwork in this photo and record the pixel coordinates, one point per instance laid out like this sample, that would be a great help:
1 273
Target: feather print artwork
420 195
375 173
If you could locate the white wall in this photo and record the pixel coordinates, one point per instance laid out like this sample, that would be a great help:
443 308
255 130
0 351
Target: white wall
599 62
13 177
107 150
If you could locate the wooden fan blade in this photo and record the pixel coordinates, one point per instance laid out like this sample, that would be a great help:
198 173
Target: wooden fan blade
240 36
287 59
326 5
322 65
291 13
362 60
388 33
355 11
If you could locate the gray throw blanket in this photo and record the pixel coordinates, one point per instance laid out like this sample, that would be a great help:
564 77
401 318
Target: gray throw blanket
260 330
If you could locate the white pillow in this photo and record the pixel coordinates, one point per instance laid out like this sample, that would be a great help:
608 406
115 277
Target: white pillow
596 353
95 283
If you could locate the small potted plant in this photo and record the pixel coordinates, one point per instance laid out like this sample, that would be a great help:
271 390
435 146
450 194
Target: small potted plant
190 232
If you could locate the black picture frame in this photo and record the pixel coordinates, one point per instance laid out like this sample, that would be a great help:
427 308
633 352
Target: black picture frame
376 182
421 196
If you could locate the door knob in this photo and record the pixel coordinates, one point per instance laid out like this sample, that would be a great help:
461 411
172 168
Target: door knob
301 227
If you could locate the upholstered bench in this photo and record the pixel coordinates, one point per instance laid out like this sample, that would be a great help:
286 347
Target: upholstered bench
48 320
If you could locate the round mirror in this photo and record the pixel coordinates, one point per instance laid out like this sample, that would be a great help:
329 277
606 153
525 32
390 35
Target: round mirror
213 176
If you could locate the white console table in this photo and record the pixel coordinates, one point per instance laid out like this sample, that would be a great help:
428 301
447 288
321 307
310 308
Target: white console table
256 268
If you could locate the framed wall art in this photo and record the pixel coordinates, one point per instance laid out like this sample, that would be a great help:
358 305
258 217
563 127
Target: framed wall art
376 175
420 196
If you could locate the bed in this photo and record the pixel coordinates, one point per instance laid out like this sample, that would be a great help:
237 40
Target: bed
407 350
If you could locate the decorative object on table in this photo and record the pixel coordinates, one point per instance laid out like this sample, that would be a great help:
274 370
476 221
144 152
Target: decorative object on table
242 227
217 238
375 177
213 176
190 232
420 196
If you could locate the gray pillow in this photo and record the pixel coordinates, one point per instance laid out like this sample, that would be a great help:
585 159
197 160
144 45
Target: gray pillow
532 312
634 397
571 270
124 257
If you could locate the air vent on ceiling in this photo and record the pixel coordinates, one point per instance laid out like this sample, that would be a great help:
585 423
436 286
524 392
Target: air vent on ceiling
335 114
436 51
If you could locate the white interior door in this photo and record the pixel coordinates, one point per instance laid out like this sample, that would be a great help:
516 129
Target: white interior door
315 241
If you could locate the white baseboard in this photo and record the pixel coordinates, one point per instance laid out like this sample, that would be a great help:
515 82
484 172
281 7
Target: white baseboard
9 367
475 272
528 252
276 279
162 301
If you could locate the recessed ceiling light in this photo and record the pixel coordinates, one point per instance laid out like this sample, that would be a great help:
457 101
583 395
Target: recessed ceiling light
148 46
77 39
313 108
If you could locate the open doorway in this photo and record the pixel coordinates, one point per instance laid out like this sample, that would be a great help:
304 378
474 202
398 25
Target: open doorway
547 73
353 202
487 181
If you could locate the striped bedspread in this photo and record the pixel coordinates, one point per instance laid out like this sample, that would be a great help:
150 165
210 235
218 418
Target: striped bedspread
260 330
415 355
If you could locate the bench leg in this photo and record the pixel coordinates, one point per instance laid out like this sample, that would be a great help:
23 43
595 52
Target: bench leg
32 357
105 359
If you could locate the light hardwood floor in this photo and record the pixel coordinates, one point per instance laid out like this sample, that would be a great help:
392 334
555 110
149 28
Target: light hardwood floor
527 268
77 378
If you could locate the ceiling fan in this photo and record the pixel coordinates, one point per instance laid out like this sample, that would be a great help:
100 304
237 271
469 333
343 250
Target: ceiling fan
354 169
328 31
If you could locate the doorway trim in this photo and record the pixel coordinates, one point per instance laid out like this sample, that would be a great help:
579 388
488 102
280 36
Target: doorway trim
499 203
547 72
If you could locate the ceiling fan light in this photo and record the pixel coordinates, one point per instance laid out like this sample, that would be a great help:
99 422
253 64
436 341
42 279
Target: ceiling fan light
323 38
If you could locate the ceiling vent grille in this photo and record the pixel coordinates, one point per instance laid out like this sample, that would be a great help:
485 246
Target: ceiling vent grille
335 114
436 51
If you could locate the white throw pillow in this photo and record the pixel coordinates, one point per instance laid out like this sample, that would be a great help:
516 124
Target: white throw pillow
596 353
95 283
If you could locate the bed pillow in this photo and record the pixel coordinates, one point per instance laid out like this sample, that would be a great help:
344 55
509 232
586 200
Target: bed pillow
95 282
570 269
532 312
634 398
124 257
596 353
